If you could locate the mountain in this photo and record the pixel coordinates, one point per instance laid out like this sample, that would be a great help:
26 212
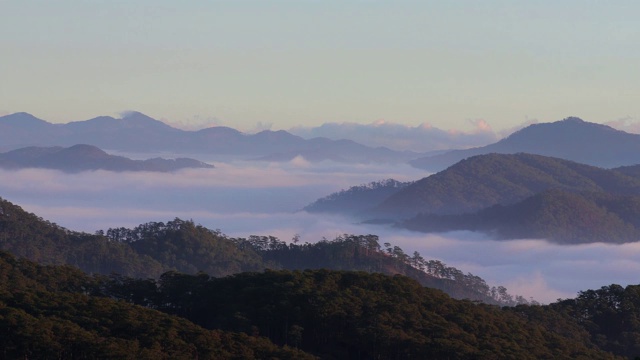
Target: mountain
555 215
486 180
136 132
356 199
87 157
571 139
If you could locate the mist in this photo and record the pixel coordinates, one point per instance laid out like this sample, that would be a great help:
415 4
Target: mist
246 198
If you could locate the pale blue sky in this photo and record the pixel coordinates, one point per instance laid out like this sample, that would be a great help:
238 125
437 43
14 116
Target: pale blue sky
308 62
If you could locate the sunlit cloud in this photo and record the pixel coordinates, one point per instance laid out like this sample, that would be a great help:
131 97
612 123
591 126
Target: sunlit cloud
194 123
629 124
510 130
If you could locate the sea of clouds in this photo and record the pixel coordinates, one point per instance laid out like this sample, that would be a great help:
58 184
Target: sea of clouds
243 198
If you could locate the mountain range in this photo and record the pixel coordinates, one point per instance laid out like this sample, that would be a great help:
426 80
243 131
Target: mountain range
136 132
87 157
571 139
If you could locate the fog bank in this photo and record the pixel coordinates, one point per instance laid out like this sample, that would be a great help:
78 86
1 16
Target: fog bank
244 198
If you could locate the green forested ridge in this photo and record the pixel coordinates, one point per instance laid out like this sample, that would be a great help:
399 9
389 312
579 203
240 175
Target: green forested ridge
356 315
53 313
559 216
151 249
365 253
58 312
356 199
145 251
486 180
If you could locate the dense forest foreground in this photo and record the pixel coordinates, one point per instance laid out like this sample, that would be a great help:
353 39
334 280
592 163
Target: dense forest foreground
178 290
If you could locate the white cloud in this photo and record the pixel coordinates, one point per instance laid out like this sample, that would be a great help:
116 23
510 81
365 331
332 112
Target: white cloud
194 123
629 124
300 161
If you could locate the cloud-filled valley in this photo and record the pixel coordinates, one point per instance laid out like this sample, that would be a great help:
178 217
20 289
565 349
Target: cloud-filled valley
245 198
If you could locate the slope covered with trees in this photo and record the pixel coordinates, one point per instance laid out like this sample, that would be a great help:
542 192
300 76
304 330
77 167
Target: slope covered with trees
487 180
556 215
59 312
356 199
53 313
355 315
151 249
145 251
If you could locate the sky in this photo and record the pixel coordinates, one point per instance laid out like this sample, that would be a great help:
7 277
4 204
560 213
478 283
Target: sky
281 64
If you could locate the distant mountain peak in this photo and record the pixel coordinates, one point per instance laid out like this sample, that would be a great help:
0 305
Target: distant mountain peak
574 119
23 118
139 119
571 138
86 149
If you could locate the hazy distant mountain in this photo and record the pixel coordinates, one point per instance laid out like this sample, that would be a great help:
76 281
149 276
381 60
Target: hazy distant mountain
556 215
86 157
420 138
571 139
486 180
136 132
320 149
356 199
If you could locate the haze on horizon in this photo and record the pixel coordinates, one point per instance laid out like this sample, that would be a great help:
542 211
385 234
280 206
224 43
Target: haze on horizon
282 64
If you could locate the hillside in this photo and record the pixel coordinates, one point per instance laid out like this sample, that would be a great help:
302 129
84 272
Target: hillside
59 312
355 315
151 249
571 139
555 215
487 180
86 158
145 251
357 198
53 312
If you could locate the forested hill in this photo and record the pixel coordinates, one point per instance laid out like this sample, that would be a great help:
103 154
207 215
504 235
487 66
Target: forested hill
356 199
486 180
555 215
151 249
58 312
572 139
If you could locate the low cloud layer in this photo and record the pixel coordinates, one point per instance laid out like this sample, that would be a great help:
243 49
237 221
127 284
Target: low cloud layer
245 198
421 138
